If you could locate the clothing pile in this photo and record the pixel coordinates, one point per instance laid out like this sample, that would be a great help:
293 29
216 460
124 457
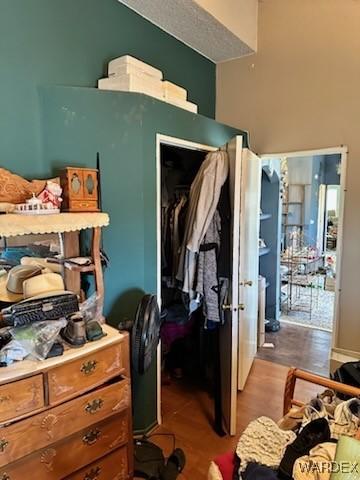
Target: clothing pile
302 446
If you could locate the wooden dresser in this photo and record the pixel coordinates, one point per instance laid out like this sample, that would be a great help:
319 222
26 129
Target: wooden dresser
69 417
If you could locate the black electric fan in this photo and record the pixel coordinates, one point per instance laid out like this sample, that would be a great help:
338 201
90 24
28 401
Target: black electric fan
145 333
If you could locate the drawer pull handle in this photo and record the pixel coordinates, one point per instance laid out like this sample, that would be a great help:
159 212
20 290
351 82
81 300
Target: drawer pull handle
89 367
93 474
92 437
94 406
3 444
5 476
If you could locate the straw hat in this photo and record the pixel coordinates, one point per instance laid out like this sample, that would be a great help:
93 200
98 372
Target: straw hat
11 284
27 281
47 283
42 263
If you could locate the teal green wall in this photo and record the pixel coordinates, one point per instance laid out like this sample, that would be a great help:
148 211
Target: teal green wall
78 122
69 42
47 46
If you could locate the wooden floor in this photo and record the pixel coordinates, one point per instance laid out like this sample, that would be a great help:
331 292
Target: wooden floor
302 347
188 413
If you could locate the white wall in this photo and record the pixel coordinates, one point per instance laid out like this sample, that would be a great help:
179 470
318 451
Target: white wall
299 92
239 16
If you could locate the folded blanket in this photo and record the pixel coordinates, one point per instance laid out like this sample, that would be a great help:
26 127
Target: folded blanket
263 442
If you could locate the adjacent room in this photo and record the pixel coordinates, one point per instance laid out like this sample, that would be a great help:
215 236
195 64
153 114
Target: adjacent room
300 226
179 261
310 219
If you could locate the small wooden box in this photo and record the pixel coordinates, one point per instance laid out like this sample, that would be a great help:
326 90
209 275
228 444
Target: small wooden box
80 189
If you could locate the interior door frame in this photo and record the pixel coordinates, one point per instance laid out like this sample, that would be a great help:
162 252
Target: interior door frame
322 218
189 145
343 152
247 158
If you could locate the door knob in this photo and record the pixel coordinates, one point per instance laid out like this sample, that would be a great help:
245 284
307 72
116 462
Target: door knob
247 283
241 306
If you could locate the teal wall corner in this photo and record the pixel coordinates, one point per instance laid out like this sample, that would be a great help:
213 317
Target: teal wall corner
122 127
67 42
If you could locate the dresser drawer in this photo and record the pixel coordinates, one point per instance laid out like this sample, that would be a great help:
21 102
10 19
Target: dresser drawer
81 375
21 397
112 467
83 205
69 455
46 428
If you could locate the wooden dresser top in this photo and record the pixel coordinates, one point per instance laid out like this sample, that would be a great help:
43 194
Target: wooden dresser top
26 368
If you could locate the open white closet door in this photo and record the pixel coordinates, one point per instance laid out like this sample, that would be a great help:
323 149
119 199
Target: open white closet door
248 262
230 331
238 337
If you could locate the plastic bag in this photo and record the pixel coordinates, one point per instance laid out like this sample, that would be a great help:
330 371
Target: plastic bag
12 352
92 308
38 338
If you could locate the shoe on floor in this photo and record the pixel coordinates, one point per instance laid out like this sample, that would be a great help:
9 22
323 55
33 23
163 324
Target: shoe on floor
174 466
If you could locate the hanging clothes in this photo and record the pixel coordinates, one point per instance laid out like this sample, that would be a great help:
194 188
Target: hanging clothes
172 228
166 253
177 233
203 200
207 284
224 209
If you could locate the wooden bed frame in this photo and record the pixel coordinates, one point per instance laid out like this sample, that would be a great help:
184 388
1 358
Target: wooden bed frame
297 374
293 375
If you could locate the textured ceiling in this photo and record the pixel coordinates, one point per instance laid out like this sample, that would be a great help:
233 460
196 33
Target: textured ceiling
194 26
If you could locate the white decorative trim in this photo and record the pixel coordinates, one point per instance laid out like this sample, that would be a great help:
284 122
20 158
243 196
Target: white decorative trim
342 358
307 153
12 225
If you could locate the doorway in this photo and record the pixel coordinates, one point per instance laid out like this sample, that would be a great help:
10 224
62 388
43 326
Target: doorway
302 255
231 339
182 345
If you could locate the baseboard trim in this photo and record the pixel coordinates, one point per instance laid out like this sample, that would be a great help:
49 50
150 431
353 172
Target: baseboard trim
339 356
346 353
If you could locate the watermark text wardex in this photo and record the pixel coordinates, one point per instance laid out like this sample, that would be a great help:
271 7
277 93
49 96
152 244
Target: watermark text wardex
329 467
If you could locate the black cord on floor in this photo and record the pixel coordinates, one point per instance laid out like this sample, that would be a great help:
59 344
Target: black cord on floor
164 434
147 437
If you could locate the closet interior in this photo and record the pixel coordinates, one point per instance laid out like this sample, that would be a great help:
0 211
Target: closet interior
190 356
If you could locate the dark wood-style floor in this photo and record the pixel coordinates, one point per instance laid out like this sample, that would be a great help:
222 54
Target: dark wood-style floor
301 347
188 412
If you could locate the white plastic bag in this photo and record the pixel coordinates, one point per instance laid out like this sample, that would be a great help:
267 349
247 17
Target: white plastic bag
38 338
92 308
